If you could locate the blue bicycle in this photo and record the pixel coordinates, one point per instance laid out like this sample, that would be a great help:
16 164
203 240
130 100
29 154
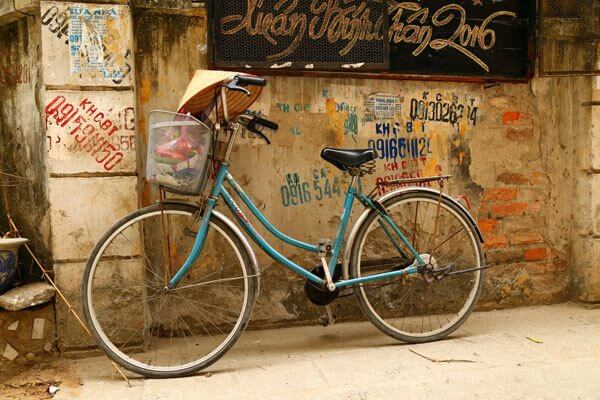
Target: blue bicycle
170 288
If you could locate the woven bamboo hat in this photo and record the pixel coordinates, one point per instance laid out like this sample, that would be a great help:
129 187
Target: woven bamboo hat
202 89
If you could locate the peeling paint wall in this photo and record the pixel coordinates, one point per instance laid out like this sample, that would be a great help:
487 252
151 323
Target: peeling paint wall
493 152
21 132
510 148
91 137
25 336
521 153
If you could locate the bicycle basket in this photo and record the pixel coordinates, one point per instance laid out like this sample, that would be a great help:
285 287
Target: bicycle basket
178 149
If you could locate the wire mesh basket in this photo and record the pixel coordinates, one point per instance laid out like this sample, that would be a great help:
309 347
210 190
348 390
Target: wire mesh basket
178 149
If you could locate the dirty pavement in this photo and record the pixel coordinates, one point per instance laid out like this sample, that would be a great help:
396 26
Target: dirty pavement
548 352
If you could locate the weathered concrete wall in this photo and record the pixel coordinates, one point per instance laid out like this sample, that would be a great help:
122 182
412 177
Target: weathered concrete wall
25 336
89 112
22 139
511 153
585 254
514 150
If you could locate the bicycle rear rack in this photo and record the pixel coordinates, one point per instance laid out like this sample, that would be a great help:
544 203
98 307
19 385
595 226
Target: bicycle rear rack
406 181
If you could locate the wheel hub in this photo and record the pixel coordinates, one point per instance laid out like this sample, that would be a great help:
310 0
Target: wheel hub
429 270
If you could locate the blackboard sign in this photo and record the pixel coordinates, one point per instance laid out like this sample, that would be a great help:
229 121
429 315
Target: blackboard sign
300 34
490 39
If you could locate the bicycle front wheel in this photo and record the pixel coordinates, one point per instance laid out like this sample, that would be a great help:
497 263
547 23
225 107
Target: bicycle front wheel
159 332
419 307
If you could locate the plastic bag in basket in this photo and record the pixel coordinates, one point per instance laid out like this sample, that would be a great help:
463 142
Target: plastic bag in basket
178 159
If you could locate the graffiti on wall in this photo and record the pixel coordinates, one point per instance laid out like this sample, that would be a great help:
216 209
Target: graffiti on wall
12 73
321 185
415 134
83 126
93 38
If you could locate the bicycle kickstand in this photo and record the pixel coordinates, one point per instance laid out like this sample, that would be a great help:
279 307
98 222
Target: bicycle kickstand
328 318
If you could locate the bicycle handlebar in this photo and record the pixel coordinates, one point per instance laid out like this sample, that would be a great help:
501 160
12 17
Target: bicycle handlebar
247 80
239 82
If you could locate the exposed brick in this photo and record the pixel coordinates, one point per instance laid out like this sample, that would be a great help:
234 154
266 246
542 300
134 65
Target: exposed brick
510 116
500 194
525 238
495 241
487 226
516 118
510 209
548 266
504 256
519 134
537 178
535 207
536 254
512 178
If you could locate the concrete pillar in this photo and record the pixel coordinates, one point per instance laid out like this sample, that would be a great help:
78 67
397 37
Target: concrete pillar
91 135
586 211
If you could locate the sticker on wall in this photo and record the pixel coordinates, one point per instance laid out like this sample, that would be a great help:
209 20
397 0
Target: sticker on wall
86 44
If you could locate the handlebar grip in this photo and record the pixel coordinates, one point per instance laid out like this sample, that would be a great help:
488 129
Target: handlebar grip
245 80
266 123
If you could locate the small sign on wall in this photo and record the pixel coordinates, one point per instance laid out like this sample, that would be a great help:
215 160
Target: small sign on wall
488 39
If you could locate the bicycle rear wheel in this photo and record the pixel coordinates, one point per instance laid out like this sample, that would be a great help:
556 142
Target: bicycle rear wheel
154 331
417 308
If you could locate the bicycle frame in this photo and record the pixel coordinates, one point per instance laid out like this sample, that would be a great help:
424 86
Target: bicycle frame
223 176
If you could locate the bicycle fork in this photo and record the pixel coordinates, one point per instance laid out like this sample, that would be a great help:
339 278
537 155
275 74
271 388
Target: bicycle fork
202 230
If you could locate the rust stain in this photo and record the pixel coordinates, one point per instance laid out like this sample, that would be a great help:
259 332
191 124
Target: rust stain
430 166
145 93
336 120
145 90
463 127
146 195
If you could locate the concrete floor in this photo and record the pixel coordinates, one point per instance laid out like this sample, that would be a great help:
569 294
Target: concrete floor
490 357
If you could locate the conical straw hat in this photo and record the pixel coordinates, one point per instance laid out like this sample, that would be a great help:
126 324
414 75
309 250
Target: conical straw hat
202 89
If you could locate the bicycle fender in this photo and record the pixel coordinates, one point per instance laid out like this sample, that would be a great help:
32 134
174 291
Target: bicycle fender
254 263
363 217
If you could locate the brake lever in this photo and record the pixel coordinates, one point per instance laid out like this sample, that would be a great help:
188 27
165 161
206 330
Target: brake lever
251 126
262 135
234 86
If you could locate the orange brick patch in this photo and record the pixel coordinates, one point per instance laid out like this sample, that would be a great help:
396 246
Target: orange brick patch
487 226
516 118
519 134
510 116
548 267
536 254
495 241
537 178
525 238
500 194
510 209
512 178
